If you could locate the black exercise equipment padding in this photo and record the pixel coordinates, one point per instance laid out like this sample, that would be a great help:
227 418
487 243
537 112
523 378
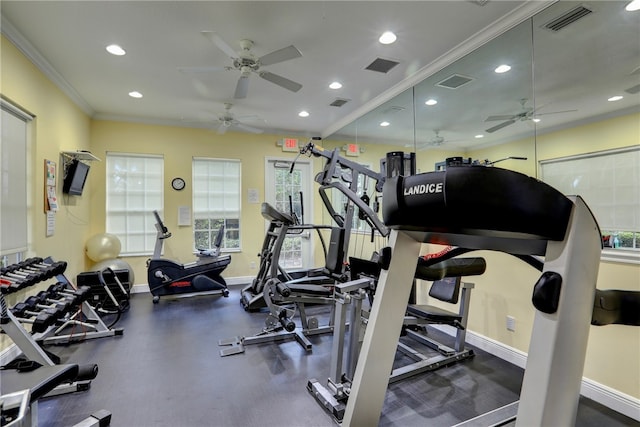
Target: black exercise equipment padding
364 267
272 214
39 381
435 315
478 207
316 290
614 306
546 292
86 372
449 268
446 289
335 254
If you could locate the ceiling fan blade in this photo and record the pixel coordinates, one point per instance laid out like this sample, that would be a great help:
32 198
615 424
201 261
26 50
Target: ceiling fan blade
281 81
247 128
555 112
280 55
196 70
220 43
496 118
242 87
500 126
222 129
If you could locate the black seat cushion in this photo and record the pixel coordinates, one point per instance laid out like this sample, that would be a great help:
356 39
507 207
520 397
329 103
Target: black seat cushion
433 314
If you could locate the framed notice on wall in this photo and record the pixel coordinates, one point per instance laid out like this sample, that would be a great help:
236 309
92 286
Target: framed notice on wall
50 198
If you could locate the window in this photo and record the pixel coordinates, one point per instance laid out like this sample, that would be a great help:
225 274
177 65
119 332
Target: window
609 182
134 191
216 202
14 176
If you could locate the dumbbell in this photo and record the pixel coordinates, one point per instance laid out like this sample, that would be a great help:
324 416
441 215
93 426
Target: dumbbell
81 294
56 310
39 320
46 270
12 284
27 278
9 286
62 302
57 267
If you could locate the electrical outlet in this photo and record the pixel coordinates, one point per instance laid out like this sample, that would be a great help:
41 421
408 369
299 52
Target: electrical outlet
511 323
252 265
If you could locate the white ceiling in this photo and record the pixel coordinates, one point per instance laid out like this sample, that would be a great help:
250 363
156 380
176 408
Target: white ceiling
575 69
563 78
337 39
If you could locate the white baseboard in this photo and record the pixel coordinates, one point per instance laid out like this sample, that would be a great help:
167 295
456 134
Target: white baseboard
607 396
231 281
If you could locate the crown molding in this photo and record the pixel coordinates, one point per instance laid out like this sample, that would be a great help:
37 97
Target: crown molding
24 46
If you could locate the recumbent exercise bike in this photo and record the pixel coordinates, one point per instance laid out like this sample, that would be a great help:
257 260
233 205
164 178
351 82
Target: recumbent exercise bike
202 277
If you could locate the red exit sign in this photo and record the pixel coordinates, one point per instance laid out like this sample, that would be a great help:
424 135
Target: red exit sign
353 150
290 144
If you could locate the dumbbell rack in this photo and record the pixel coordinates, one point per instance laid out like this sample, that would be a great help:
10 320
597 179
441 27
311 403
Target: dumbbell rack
30 344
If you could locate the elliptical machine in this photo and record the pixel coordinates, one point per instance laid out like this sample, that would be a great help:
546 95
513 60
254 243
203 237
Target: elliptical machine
202 277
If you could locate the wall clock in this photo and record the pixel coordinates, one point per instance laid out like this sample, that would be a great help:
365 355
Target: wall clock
178 184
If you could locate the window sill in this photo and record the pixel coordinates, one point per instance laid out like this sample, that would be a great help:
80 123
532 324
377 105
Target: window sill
621 256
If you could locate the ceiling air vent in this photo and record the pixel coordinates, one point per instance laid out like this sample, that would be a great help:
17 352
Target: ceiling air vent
381 65
454 81
339 102
567 18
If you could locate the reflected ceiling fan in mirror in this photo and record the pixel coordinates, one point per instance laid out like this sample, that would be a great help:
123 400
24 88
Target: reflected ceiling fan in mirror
526 113
247 63
227 120
436 141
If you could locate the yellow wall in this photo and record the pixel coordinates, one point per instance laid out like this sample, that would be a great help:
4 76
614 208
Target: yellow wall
59 125
613 351
505 288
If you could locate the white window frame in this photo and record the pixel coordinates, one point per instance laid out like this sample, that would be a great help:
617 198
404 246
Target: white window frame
206 183
130 204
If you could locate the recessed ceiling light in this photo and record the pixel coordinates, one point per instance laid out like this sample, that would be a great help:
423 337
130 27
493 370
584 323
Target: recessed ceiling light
114 49
633 6
387 37
480 136
384 124
615 98
431 102
502 68
303 113
335 85
135 94
536 120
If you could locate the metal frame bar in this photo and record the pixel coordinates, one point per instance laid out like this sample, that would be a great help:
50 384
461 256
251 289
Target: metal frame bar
551 385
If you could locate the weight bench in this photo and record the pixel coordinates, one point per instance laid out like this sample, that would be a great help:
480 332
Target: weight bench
21 390
447 287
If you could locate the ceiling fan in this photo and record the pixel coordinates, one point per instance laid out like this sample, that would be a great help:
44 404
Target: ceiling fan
227 120
525 113
247 63
436 141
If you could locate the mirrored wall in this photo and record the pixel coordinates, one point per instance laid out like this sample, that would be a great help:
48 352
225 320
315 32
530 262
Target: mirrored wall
564 83
554 71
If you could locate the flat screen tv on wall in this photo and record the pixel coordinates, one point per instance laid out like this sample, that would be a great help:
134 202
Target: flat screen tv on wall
75 178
